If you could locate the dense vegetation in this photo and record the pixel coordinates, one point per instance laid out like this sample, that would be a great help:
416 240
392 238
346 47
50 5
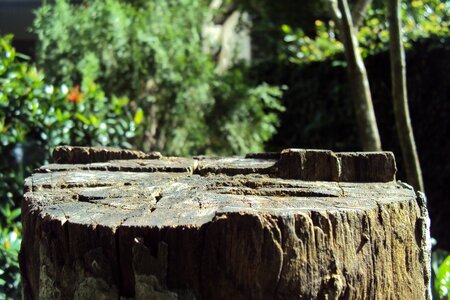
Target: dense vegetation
152 52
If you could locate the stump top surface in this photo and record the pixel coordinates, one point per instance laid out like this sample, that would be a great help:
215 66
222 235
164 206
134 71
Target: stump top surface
137 189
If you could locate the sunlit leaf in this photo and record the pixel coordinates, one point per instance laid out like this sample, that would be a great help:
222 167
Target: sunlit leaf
82 118
442 280
139 116
7 244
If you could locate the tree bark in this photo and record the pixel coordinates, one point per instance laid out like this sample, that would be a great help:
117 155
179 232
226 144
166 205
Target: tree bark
400 98
300 224
359 82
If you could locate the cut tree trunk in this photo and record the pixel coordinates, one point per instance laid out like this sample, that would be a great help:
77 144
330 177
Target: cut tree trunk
300 224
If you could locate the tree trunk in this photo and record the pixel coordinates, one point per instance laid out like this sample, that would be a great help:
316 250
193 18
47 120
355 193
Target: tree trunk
359 82
300 224
400 98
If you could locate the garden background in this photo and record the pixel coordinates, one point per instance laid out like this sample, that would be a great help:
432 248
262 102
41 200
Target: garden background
155 75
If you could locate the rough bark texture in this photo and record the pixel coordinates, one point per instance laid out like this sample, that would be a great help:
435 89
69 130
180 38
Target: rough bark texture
400 98
225 228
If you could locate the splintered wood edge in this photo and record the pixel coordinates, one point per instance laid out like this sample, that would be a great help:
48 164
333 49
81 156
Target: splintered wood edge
300 164
83 155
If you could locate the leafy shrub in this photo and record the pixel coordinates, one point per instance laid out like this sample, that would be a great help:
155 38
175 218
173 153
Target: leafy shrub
35 117
152 52
242 126
32 110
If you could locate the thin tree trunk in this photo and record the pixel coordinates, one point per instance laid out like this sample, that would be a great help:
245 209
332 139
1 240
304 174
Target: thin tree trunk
400 99
359 83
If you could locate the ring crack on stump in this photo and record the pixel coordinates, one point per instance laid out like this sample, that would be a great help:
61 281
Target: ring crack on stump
106 223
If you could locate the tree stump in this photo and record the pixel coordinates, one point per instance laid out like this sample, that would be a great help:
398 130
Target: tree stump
300 224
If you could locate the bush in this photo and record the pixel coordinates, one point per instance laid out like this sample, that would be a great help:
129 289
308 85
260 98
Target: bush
34 118
152 52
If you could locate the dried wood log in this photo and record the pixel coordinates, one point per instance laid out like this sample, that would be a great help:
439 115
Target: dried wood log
262 227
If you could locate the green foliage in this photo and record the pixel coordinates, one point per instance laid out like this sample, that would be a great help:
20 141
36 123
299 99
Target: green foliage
421 19
302 48
440 261
35 117
34 110
10 240
442 282
152 52
230 120
425 18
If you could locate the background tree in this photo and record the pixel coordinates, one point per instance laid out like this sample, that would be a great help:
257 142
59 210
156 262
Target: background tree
400 98
357 74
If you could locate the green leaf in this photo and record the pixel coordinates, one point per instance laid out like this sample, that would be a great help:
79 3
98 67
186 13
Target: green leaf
286 28
82 118
442 281
15 213
94 120
139 116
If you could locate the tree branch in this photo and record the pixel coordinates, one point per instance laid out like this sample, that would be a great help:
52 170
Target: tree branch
335 12
359 11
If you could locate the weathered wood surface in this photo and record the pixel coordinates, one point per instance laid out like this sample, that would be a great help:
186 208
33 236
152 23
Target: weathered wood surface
224 228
